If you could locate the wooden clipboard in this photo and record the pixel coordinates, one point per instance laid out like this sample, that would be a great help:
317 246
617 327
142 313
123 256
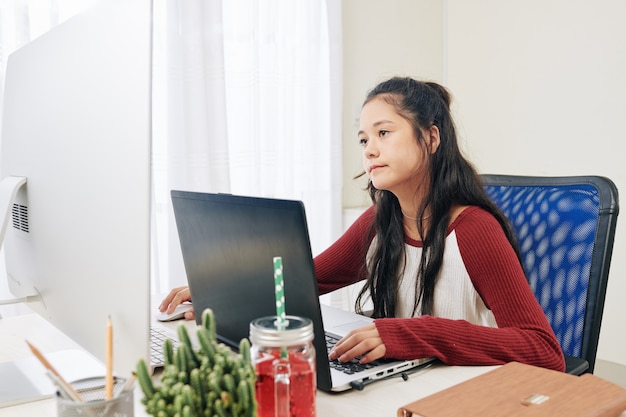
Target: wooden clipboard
518 390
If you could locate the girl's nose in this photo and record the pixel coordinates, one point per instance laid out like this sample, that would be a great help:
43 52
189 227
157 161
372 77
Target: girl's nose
370 150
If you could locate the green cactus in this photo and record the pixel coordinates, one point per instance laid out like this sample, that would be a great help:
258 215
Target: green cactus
208 381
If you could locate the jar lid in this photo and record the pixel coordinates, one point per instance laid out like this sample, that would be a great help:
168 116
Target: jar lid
264 331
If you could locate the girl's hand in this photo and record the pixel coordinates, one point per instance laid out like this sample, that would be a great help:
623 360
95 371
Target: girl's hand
364 342
176 297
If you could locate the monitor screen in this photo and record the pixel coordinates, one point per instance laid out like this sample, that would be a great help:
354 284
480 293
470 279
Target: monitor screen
76 125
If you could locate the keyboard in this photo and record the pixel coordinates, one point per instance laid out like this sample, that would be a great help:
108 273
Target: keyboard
350 367
157 339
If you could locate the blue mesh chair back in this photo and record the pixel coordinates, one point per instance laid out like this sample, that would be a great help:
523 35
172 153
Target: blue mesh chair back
565 228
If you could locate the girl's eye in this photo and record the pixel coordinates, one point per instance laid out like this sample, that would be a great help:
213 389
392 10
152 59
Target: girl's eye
362 141
383 133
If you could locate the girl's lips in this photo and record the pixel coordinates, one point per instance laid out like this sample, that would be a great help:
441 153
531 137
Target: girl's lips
374 167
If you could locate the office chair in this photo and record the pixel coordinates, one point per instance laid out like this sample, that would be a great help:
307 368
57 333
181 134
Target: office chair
565 228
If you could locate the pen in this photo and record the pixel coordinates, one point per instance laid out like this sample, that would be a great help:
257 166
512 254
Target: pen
108 387
66 387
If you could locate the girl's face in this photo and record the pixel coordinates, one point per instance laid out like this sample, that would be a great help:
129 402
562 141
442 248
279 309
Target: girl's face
392 156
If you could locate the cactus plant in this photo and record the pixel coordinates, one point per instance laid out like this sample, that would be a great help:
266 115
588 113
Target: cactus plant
209 381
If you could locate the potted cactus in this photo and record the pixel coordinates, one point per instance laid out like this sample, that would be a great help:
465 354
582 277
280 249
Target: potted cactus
209 381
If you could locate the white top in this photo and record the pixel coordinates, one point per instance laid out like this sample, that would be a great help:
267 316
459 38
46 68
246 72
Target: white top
455 296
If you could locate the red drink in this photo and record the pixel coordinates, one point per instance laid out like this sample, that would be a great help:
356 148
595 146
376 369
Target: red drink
301 388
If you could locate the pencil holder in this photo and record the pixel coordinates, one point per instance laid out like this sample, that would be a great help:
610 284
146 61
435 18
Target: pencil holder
92 392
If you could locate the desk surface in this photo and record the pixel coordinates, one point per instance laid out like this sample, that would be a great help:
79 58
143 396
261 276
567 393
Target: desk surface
379 399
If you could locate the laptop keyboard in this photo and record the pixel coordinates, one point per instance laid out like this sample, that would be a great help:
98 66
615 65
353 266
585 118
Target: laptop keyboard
350 367
157 339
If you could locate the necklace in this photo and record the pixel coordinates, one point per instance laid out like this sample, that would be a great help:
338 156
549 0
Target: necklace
414 218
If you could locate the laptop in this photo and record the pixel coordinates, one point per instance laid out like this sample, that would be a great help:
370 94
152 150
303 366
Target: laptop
228 243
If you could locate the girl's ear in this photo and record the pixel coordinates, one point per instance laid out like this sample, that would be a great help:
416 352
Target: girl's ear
432 139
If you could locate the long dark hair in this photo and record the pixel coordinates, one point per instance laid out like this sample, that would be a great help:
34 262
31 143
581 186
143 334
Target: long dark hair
452 181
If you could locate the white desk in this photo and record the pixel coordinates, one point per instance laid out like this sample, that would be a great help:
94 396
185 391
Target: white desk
378 399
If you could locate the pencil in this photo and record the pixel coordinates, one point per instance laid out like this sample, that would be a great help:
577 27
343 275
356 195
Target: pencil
49 367
108 387
129 383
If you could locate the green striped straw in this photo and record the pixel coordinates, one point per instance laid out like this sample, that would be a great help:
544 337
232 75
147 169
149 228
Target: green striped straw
279 286
281 316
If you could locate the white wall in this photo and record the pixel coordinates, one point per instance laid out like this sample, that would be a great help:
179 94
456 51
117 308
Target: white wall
539 89
382 39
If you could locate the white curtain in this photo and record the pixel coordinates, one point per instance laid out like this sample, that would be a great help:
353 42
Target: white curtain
246 100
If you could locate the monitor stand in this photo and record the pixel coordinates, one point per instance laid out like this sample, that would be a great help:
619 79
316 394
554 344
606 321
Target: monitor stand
9 187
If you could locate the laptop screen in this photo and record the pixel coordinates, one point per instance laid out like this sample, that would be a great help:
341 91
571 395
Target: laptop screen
228 244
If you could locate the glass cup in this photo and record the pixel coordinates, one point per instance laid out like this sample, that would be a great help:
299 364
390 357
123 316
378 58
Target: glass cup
284 359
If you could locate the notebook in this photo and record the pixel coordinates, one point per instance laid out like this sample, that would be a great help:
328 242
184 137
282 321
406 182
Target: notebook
228 243
25 380
518 390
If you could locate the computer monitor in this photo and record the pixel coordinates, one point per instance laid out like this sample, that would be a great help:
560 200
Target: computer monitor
77 126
